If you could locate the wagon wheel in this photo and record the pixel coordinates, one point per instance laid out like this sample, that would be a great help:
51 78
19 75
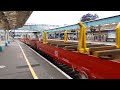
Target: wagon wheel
84 75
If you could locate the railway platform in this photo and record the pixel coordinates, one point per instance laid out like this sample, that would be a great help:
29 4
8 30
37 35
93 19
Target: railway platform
18 61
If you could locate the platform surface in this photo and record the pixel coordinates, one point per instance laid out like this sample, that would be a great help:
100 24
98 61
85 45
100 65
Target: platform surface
13 64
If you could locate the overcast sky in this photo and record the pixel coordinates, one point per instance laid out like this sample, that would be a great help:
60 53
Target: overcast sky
64 17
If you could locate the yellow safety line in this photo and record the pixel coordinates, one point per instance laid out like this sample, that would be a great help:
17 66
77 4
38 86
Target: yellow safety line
28 63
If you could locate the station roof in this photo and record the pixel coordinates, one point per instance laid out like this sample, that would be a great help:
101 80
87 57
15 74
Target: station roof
13 19
108 20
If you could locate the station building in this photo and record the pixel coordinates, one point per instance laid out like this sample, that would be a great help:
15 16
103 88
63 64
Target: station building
104 30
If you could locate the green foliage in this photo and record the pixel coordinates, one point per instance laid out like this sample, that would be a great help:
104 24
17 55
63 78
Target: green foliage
88 17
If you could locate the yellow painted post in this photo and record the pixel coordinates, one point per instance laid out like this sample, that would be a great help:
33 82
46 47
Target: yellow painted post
118 36
44 37
65 36
82 40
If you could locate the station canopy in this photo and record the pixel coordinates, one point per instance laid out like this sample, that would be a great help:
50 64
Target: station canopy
13 19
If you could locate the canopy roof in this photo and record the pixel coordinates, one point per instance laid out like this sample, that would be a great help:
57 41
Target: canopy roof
13 19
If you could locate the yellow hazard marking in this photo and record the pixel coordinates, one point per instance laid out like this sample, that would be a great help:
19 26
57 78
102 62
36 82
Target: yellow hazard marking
28 63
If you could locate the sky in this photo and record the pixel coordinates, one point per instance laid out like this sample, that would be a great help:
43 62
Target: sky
64 17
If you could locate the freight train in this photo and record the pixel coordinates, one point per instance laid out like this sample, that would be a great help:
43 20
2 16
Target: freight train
92 61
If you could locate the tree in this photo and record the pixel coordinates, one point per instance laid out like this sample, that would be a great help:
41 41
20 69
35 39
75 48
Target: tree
88 17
